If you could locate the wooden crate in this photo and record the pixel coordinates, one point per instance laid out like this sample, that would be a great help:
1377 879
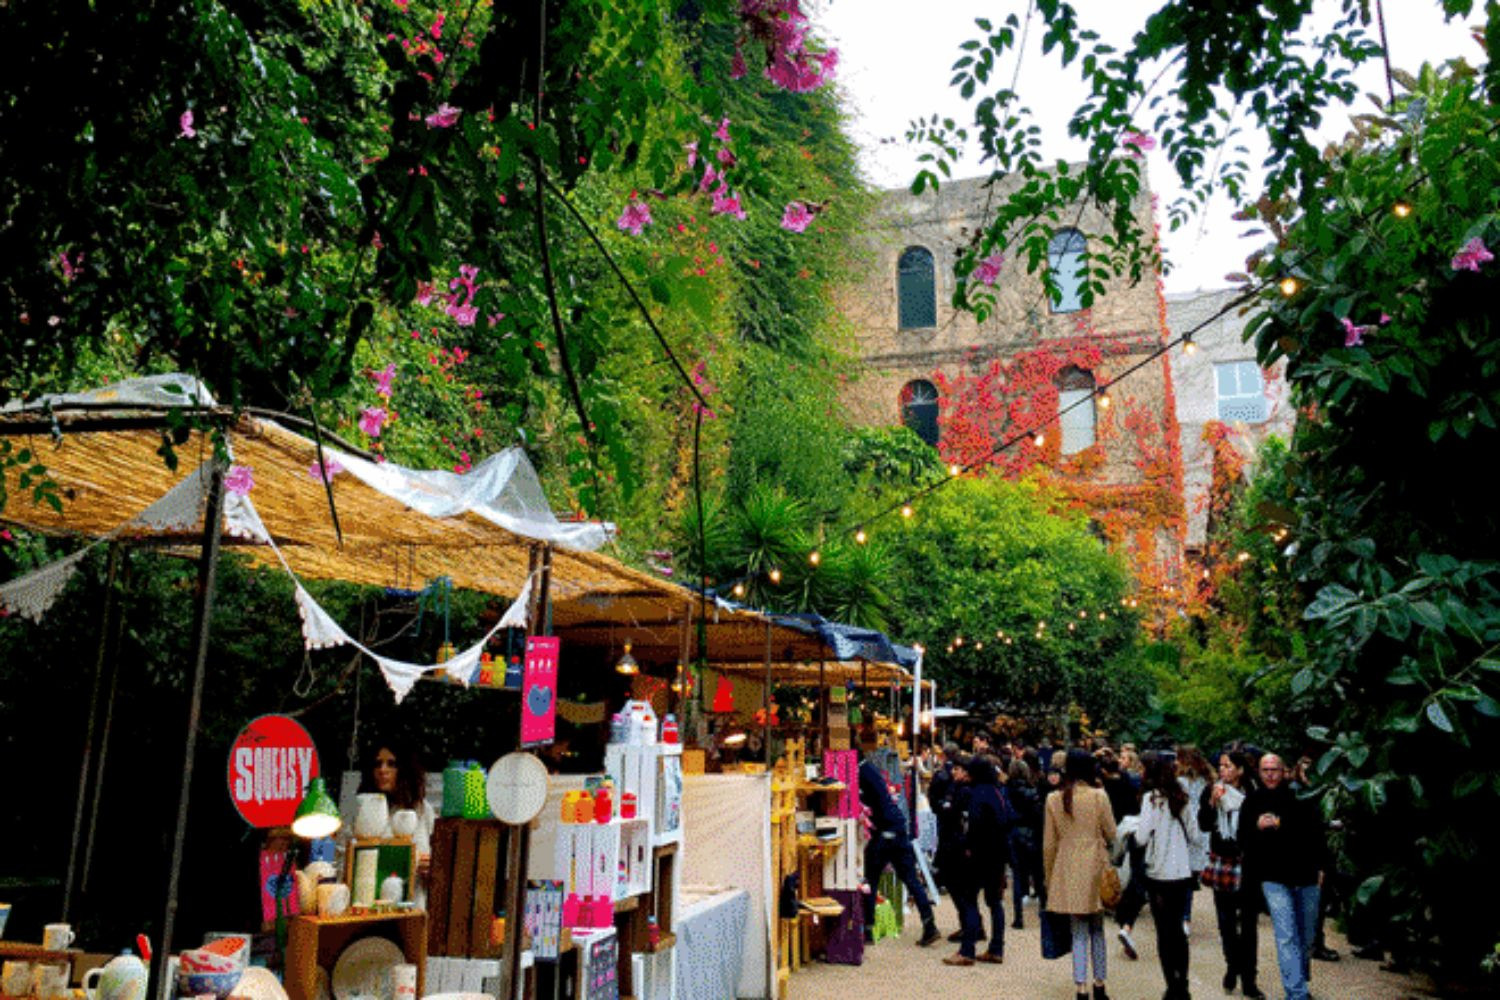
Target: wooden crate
465 883
317 941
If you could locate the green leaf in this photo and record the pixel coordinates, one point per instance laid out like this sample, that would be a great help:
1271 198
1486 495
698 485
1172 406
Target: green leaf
1301 681
1427 614
1438 717
1368 888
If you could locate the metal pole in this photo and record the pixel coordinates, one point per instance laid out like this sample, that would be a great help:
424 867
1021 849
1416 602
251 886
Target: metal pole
104 736
208 564
916 709
765 701
88 740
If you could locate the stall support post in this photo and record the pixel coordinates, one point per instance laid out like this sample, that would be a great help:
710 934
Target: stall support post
916 710
823 704
203 610
766 700
104 735
101 661
517 860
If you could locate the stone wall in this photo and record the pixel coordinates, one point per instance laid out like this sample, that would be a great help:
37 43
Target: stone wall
1219 342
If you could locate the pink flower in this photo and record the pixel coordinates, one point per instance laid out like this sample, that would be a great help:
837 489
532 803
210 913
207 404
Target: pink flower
325 471
692 150
796 217
371 419
424 293
383 379
635 218
727 204
1472 255
737 68
444 116
1139 142
494 318
239 480
722 132
185 123
1354 336
987 270
710 177
725 155
464 315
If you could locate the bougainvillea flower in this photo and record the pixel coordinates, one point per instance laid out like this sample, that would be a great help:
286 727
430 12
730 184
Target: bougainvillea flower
1354 336
383 379
371 419
722 132
796 217
185 123
692 151
710 177
444 116
1139 142
726 203
988 270
324 472
635 218
424 293
737 67
239 480
1473 254
463 315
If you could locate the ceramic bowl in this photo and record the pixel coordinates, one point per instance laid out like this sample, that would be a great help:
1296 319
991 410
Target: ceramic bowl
219 984
197 960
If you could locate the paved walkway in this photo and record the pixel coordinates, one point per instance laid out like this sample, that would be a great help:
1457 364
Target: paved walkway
899 970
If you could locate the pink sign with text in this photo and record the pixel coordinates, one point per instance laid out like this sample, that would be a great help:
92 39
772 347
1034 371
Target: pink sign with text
539 691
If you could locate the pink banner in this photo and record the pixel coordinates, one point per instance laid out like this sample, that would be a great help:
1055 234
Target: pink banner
539 691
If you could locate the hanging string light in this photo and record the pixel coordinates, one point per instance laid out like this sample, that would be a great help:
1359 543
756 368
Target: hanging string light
1289 286
814 557
906 510
1188 347
1103 397
1040 439
860 537
739 590
954 469
627 664
1401 209
775 575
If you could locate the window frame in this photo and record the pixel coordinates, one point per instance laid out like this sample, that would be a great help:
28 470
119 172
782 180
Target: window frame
930 276
1066 244
908 399
1074 383
1239 366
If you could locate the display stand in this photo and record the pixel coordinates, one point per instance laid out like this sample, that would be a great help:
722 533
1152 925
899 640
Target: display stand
318 941
464 881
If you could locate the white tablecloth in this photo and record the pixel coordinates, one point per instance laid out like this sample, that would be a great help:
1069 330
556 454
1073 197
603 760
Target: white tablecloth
710 943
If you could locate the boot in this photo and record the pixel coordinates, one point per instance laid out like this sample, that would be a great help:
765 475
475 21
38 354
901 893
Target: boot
1099 993
930 934
1230 978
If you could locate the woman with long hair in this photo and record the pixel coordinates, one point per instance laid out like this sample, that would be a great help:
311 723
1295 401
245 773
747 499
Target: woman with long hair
1195 774
397 773
1236 903
1169 839
1025 837
1077 832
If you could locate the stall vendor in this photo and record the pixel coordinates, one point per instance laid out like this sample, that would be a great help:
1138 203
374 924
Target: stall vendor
399 776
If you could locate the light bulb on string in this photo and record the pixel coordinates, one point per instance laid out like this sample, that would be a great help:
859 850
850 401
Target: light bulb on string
1401 209
1102 616
814 557
860 537
978 646
1188 347
739 590
1083 614
1070 626
906 510
775 575
999 633
958 640
1104 399
955 470
1040 439
1289 286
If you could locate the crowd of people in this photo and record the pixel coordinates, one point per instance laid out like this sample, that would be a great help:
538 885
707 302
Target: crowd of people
1090 830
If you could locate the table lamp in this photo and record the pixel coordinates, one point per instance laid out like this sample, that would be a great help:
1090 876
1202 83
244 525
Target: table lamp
317 814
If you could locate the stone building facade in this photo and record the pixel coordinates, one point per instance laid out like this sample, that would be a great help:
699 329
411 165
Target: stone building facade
1220 382
966 385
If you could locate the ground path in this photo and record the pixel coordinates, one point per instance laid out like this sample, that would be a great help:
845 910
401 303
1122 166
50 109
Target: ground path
899 970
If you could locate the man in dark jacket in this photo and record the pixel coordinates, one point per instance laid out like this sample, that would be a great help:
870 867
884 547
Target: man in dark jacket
949 802
890 845
1285 850
986 852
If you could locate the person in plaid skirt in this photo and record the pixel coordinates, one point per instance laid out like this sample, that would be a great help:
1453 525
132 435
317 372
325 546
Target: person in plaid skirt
1236 904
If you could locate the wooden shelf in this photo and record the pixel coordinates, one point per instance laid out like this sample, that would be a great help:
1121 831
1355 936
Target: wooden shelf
362 918
809 787
25 951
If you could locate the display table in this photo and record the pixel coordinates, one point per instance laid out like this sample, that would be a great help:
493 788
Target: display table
710 943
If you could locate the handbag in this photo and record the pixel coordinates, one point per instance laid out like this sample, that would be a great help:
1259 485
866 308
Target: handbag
1222 874
1057 934
1110 889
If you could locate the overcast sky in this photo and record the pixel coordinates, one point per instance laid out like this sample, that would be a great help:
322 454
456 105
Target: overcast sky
896 57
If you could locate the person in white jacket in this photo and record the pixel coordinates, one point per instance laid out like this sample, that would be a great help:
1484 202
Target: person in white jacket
1169 831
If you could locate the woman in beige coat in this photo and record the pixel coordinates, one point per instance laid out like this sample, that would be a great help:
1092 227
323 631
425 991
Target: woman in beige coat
1076 837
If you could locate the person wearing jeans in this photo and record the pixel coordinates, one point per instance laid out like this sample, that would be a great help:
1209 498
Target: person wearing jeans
1285 851
1077 831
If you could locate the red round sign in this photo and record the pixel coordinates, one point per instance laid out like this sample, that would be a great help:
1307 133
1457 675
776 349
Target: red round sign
270 764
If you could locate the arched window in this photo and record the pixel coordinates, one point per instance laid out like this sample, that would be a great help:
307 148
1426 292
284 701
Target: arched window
1064 260
919 409
916 289
1075 406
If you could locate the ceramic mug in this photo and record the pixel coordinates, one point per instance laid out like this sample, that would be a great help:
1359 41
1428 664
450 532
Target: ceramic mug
403 982
57 937
404 822
333 898
15 979
50 981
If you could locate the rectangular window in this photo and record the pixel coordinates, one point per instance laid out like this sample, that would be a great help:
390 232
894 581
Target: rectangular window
1077 423
1241 392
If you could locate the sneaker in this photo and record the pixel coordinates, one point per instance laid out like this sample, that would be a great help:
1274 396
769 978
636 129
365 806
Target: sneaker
1127 943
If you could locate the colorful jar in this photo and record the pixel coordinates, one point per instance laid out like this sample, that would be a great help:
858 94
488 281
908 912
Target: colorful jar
453 788
476 805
